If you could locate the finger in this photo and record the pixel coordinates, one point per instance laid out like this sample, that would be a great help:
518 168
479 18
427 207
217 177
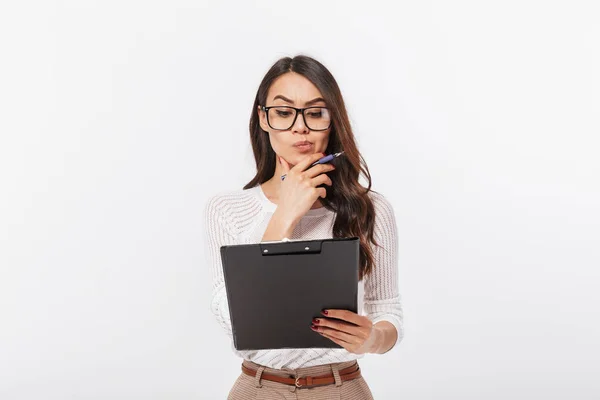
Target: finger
343 343
320 180
321 192
349 316
341 326
307 161
346 337
318 169
284 165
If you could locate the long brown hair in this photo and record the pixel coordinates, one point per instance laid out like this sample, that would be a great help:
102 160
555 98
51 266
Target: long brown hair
347 197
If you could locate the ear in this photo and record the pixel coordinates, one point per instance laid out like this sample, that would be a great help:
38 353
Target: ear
262 119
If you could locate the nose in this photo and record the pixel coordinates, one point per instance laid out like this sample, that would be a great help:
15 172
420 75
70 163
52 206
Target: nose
299 125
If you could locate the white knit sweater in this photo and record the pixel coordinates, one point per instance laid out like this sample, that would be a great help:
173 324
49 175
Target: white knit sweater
241 217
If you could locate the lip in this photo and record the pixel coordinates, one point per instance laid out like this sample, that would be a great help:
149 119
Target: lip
303 143
303 146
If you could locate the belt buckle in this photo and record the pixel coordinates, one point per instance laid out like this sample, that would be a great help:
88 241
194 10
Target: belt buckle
297 383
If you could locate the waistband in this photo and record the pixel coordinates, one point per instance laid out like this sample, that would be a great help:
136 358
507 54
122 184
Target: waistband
318 375
301 372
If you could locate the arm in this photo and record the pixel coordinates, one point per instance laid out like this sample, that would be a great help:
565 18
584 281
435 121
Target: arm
386 336
279 226
382 297
218 233
382 328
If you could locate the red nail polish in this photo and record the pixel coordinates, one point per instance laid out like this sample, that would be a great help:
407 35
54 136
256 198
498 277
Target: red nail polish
315 321
314 328
325 312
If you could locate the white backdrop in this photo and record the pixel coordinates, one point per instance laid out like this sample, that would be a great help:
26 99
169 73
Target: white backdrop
479 121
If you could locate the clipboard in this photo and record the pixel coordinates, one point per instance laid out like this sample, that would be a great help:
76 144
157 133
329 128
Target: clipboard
275 289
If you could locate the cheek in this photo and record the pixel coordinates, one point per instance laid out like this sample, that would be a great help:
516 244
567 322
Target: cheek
276 143
322 143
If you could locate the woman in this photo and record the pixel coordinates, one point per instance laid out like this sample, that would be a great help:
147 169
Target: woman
297 117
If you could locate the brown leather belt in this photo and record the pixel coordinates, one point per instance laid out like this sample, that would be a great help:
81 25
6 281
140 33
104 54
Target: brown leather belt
346 374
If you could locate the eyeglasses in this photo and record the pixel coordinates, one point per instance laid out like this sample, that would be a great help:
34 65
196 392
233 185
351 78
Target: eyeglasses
282 118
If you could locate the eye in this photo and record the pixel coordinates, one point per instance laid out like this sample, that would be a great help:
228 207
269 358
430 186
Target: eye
282 113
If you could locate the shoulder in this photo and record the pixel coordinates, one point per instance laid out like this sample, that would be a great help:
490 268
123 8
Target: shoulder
230 200
381 203
234 208
385 218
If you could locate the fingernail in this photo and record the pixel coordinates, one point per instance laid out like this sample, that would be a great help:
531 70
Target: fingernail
314 328
325 312
315 321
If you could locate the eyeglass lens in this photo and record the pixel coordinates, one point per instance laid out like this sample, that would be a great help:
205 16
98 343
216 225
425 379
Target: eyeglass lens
315 118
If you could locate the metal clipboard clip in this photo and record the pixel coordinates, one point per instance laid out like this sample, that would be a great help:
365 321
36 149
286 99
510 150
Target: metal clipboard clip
287 246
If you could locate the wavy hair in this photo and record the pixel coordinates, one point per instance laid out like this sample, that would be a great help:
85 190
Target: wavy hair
355 212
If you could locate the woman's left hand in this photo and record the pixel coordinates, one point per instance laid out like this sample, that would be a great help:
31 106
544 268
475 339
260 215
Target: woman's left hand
353 332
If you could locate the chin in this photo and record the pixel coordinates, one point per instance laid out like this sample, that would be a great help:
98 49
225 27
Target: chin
295 157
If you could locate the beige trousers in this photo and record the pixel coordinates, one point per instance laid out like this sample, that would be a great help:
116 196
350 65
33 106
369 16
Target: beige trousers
246 387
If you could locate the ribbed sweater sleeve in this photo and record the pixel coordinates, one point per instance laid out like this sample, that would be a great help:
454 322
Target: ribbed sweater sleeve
382 300
219 232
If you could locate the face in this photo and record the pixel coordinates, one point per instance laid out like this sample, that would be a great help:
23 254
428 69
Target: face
294 144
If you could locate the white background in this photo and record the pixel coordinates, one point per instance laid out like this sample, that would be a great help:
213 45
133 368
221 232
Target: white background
479 120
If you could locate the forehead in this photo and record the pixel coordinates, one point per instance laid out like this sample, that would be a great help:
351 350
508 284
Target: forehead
295 87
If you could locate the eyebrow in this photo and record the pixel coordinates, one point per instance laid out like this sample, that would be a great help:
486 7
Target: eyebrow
313 101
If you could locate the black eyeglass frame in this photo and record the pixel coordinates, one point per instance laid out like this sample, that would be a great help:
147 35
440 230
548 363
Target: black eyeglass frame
298 111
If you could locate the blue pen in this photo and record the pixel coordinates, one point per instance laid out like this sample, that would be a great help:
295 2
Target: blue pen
326 159
323 160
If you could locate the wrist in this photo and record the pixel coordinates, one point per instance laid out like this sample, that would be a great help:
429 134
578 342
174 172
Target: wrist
280 226
377 336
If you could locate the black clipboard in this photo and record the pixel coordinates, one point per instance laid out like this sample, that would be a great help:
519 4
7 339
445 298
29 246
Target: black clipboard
275 289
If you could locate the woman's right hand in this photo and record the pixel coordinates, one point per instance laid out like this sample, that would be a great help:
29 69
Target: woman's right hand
298 193
299 189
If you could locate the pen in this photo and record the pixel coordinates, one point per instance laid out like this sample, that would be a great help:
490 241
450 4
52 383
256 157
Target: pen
326 159
323 160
